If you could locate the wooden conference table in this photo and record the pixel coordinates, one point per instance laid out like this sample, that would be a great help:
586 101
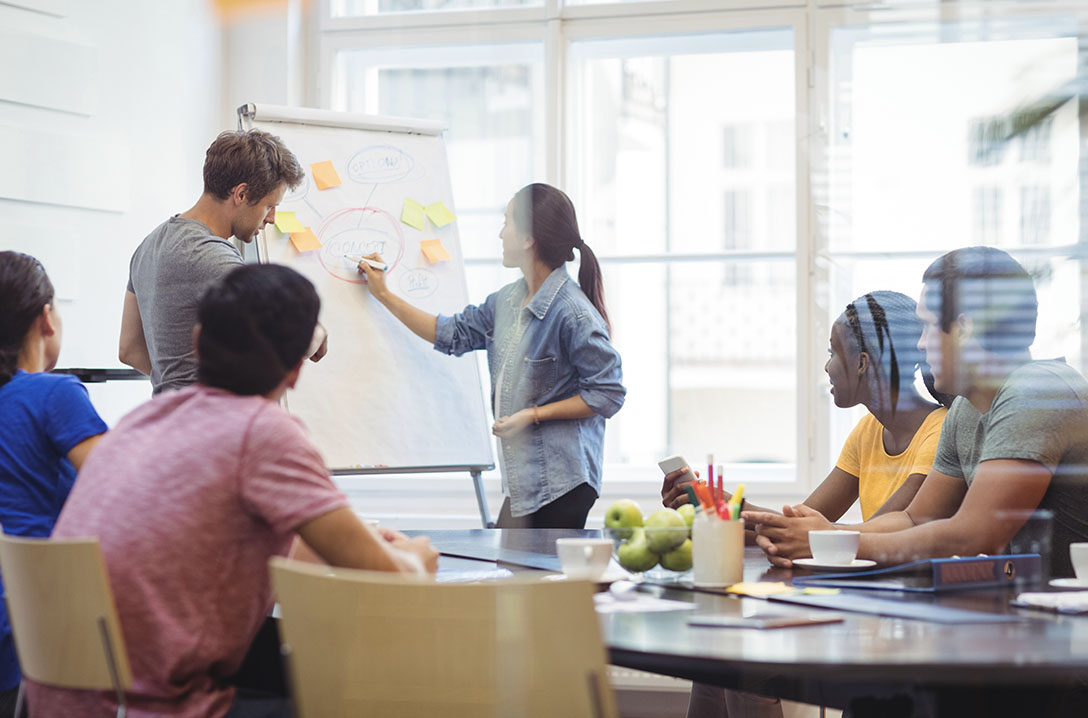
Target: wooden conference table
1033 666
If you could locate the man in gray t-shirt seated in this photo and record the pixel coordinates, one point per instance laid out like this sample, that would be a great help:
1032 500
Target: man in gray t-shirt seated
245 176
1015 439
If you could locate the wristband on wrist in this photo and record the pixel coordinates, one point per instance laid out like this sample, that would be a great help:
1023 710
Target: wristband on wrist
536 417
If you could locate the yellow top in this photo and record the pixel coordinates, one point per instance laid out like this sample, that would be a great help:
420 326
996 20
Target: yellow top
879 475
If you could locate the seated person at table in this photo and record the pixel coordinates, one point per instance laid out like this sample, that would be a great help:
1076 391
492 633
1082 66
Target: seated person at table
874 356
47 424
1015 439
193 492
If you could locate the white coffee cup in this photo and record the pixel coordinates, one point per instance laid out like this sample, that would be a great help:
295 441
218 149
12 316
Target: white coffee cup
1078 554
834 547
584 558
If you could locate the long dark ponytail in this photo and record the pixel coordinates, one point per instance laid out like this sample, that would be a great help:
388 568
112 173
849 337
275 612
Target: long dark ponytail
547 215
25 290
890 320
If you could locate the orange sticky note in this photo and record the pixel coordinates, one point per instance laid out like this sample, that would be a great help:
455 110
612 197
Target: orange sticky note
433 250
325 174
305 240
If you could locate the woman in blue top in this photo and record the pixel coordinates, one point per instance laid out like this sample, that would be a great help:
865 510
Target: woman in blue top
47 424
555 376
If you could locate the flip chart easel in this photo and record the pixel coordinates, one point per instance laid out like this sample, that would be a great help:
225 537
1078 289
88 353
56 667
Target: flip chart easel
382 401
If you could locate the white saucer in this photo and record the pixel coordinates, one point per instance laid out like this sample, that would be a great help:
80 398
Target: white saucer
858 564
1068 583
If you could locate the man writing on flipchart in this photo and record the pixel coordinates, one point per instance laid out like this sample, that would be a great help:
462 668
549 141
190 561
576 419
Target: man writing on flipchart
246 174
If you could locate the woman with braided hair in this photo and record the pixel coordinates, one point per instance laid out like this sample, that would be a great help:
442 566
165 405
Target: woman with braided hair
47 424
555 376
873 358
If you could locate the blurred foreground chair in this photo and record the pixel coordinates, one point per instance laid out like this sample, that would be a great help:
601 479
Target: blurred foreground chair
63 616
363 643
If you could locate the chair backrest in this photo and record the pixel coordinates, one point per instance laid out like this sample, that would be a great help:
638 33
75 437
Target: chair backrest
56 591
377 644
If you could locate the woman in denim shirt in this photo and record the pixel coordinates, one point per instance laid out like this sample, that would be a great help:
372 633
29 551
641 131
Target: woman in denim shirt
555 376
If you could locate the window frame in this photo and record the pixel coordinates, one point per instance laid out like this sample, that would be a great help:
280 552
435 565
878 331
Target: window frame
557 24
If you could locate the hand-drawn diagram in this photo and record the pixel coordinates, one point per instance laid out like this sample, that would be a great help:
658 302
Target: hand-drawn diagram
380 164
298 194
419 283
358 232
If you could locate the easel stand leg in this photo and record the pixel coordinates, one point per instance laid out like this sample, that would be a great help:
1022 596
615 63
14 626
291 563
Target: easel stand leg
481 500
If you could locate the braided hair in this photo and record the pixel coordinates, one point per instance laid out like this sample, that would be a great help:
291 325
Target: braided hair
25 290
887 322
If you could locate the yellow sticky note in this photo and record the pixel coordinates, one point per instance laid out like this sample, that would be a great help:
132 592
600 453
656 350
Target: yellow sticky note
761 588
820 591
412 214
440 214
325 174
288 223
433 250
305 240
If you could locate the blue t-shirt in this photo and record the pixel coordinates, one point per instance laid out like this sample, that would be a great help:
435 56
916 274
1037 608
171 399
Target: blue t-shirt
42 418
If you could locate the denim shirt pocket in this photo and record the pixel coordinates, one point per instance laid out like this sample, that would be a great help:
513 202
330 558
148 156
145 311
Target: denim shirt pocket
540 378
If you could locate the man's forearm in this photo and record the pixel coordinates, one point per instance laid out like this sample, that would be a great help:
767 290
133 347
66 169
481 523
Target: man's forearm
943 537
885 523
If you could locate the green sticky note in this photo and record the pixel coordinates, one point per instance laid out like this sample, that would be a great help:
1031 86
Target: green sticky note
440 214
287 223
412 214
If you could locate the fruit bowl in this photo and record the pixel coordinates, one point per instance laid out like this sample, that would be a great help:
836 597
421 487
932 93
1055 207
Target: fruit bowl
653 553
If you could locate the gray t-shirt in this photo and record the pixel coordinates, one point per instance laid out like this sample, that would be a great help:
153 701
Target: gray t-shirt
1039 414
168 273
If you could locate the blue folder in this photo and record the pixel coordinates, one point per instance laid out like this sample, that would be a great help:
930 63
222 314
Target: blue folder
939 574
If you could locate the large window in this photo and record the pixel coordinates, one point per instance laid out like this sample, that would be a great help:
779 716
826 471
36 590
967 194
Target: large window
923 158
742 171
697 180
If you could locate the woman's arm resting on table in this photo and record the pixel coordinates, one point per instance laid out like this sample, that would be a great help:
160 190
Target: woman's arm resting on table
340 539
835 494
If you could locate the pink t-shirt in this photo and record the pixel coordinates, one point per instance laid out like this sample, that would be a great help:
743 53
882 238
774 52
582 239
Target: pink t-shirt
189 497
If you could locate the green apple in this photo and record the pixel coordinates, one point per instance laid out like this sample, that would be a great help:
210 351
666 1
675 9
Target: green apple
679 559
635 554
688 512
624 514
661 531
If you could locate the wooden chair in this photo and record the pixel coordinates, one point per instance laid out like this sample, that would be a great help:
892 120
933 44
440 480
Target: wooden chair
63 616
362 643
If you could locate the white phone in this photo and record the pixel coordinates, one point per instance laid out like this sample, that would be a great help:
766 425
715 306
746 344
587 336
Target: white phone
672 463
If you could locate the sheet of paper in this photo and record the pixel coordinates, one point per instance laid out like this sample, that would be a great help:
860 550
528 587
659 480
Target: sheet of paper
325 175
412 213
305 240
440 214
287 223
605 602
433 250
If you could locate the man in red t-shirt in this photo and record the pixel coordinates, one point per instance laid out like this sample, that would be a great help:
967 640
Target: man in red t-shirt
193 492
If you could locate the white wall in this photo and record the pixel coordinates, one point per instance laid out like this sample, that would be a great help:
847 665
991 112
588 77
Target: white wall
105 113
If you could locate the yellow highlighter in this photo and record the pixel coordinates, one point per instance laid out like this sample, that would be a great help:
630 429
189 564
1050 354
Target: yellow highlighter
736 504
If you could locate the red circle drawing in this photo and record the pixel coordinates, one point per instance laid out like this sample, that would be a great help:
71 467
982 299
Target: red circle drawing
357 232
